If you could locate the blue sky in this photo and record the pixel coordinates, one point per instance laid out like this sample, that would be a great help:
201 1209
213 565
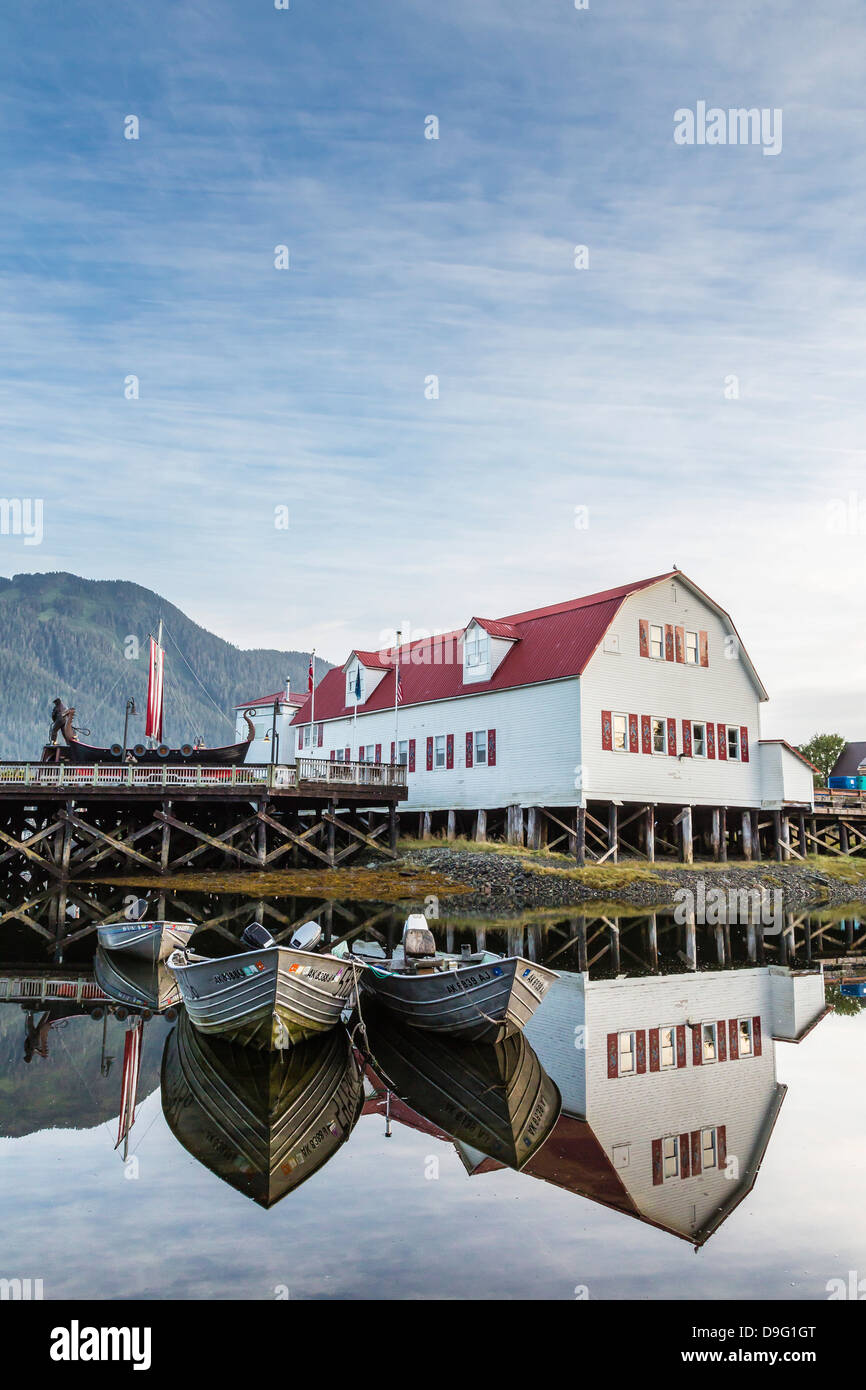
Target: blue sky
558 388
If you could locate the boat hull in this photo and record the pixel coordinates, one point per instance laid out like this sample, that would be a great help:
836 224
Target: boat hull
476 1003
262 1123
140 984
269 999
496 1099
149 941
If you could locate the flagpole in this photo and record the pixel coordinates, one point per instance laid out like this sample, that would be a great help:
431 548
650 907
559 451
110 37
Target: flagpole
313 698
396 701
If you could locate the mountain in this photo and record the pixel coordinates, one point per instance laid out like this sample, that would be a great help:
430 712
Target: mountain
86 641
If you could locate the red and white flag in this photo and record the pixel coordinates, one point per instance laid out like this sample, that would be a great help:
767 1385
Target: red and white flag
310 678
155 675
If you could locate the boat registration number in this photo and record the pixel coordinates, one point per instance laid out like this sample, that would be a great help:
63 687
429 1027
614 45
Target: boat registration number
536 983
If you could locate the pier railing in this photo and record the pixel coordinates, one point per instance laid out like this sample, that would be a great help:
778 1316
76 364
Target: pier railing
276 777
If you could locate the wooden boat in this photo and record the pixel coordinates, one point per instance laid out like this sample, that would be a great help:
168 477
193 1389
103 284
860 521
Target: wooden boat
139 984
148 941
480 997
270 997
262 1123
496 1100
72 750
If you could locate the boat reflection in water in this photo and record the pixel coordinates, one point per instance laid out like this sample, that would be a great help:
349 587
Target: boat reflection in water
495 1101
263 1122
137 983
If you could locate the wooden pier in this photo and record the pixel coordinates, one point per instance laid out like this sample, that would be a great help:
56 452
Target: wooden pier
64 822
605 832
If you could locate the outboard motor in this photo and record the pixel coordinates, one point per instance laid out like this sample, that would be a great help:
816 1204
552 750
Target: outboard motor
418 942
257 938
307 937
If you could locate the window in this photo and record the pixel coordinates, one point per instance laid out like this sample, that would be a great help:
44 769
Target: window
480 746
660 742
367 753
733 743
626 1054
671 1156
439 751
403 752
709 1042
744 1037
667 1047
657 641
476 648
620 733
351 683
341 755
708 1148
691 648
699 740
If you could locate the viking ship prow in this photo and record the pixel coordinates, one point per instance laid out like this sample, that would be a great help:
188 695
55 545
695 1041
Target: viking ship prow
72 750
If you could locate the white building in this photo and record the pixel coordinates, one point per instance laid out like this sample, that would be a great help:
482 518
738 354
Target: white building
272 716
642 694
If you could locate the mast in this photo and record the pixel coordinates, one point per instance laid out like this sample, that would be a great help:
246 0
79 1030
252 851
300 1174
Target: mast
155 679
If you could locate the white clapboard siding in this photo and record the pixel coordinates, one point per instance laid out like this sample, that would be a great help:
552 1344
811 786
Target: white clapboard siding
784 777
628 683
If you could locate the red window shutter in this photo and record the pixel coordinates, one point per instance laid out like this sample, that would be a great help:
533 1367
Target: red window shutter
696 1152
756 1035
733 1039
697 1050
469 750
632 734
711 740
721 1146
645 734
348 755
320 740
333 754
640 1051
612 1055
654 1054
687 737
722 741
685 1166
607 729
449 750
672 738
681 1044
669 642
491 747
744 743
411 755
722 1034
680 643
658 1177
703 649
393 752
429 755
643 630
378 752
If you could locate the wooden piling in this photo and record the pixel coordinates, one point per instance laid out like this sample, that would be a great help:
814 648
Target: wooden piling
580 837
747 834
650 833
481 826
612 836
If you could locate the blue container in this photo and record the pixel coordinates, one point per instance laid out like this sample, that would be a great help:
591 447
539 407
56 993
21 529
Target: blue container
848 784
854 989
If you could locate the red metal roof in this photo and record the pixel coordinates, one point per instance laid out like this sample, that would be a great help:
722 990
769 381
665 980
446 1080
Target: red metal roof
555 642
281 695
498 629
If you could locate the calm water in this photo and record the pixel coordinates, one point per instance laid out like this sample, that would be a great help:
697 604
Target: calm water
411 1186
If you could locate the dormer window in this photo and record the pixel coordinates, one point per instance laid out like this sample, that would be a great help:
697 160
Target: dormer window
356 692
476 651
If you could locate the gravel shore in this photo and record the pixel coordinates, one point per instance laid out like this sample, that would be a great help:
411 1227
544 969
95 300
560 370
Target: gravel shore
503 883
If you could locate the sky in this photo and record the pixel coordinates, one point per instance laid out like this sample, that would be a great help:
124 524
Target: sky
282 467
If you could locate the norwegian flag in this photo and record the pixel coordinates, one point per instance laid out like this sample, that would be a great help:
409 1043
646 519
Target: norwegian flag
310 678
399 688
